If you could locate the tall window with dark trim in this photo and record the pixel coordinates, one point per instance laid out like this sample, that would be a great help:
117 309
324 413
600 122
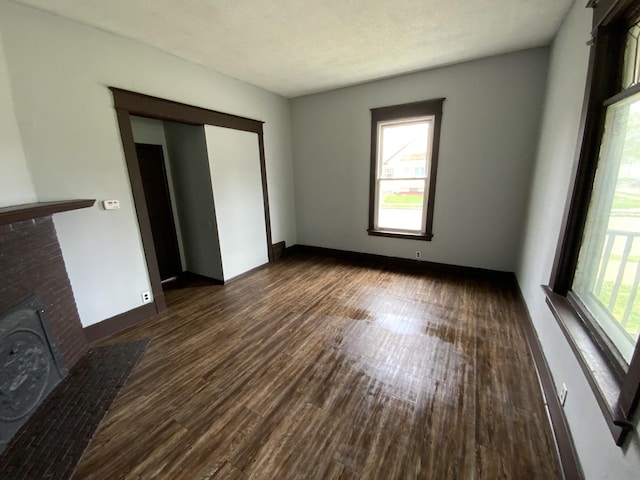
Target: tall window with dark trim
404 160
595 285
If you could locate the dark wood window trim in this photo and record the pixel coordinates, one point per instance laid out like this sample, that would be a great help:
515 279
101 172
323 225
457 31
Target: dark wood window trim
601 374
390 234
129 103
401 112
616 386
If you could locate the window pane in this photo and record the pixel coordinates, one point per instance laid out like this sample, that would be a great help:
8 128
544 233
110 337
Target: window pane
608 272
400 205
631 69
403 149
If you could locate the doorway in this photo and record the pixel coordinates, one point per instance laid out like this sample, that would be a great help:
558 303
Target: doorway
128 103
156 191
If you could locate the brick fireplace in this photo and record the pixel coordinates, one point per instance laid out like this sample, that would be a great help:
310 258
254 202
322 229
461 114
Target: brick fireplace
32 271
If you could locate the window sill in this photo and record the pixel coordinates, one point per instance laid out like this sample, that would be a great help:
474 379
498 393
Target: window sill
392 234
599 372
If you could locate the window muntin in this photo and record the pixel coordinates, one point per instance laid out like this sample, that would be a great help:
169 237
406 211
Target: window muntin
608 271
404 158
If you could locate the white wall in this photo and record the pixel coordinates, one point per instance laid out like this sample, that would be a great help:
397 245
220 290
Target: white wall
600 457
16 186
151 131
60 71
234 159
489 131
194 196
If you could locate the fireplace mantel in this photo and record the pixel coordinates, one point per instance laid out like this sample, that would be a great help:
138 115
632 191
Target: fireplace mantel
31 263
28 211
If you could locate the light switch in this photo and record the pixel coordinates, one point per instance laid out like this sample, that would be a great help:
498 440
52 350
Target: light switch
111 204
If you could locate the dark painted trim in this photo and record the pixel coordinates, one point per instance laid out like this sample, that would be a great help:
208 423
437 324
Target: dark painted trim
29 211
608 11
391 234
600 374
399 112
110 326
402 264
129 103
630 391
435 155
278 250
140 204
265 194
585 165
163 109
566 450
408 110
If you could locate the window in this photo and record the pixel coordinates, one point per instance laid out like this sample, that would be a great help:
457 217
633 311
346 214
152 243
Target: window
594 290
404 160
608 269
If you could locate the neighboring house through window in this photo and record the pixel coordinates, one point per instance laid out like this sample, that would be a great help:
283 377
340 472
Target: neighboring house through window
596 278
404 158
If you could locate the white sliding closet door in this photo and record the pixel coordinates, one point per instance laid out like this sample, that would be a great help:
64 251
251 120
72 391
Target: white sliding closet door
234 160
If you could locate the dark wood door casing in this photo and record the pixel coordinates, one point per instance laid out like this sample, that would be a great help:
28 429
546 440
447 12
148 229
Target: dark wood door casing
127 103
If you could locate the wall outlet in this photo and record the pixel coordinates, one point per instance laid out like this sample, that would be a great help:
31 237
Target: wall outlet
563 394
146 297
111 204
418 254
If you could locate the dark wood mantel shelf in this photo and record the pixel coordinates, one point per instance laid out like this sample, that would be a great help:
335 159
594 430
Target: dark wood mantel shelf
28 211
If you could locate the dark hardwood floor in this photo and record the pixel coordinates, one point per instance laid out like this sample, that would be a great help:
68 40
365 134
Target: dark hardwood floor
315 368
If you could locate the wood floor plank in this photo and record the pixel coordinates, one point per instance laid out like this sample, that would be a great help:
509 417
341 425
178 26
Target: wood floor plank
315 368
213 445
366 412
338 471
387 456
228 472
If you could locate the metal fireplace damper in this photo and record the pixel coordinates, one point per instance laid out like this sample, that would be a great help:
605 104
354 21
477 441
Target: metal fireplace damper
30 364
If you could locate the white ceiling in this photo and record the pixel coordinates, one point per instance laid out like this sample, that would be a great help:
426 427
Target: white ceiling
296 47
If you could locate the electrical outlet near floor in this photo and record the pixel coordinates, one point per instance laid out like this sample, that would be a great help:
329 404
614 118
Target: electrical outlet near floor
418 254
563 394
146 297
